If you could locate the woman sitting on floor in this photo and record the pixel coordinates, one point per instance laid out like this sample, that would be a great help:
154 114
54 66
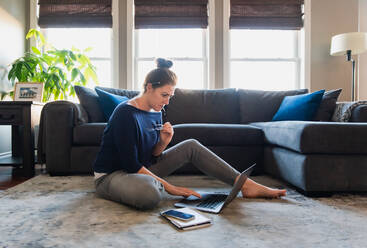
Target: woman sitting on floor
132 159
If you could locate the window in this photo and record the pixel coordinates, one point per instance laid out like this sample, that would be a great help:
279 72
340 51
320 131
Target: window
99 39
264 59
185 47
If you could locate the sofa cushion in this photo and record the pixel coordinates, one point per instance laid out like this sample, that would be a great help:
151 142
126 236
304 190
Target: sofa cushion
327 106
88 134
120 92
109 101
88 98
316 137
300 107
203 106
259 106
218 134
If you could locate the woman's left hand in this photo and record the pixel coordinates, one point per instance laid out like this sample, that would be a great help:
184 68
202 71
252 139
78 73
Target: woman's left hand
166 133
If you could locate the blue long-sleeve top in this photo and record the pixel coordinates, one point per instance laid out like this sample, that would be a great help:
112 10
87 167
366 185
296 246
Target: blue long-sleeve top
128 140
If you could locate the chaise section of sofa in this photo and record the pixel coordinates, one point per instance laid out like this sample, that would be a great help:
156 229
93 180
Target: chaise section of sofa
317 157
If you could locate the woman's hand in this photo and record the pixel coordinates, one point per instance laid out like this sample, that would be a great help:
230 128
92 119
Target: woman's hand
166 133
181 191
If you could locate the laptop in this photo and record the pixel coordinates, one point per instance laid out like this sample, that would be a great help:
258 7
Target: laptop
215 202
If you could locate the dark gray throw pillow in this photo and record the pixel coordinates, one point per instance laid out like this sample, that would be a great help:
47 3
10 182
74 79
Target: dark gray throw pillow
260 105
120 92
88 98
327 106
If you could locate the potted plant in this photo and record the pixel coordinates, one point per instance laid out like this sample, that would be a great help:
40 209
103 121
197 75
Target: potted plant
59 70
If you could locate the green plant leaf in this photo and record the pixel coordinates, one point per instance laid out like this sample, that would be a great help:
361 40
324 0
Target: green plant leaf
60 70
42 38
88 49
90 73
37 35
30 33
56 80
83 60
82 78
65 61
3 95
72 56
74 49
28 67
74 74
72 91
18 71
57 94
11 74
61 74
67 85
35 50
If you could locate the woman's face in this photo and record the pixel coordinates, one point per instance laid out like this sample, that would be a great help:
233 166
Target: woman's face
159 97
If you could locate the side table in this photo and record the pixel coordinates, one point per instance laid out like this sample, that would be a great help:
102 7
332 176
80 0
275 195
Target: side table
23 116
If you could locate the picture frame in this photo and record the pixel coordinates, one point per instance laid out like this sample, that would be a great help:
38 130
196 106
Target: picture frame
28 91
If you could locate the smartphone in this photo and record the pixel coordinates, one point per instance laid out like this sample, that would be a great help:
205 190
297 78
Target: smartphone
178 215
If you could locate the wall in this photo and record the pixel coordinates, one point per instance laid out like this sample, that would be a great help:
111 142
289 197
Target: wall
328 18
323 19
362 66
13 25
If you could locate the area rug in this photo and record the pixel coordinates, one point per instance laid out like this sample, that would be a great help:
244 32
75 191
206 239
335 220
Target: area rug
64 212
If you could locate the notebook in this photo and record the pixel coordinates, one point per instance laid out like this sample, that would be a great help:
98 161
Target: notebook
198 222
215 202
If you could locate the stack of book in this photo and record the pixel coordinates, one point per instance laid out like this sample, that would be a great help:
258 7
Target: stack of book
199 220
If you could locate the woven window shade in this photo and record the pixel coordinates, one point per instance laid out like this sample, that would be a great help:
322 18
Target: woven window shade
75 13
171 14
266 14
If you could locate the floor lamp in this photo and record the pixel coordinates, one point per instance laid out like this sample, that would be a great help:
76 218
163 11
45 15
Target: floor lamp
349 44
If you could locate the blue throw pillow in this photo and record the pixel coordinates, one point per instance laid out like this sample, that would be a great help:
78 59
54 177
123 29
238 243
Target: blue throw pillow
109 101
299 107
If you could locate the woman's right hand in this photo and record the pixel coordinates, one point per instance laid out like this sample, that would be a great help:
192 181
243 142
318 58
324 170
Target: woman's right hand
181 191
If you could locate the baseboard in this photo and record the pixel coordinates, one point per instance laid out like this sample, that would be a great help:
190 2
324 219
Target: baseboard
4 154
315 194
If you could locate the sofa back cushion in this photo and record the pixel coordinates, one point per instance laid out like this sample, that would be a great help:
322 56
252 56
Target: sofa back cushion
328 105
203 106
260 106
120 92
109 101
89 100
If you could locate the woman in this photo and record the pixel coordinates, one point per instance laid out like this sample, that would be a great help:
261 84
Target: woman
132 160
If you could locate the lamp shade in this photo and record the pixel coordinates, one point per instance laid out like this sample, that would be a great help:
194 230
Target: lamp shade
356 42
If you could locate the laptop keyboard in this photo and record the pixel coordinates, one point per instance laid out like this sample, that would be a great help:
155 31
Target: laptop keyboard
212 201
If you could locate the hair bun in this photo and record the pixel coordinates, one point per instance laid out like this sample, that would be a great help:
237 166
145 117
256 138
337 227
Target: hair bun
163 63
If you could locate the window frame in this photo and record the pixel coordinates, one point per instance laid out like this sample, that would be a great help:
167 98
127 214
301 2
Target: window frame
218 41
296 59
109 59
204 59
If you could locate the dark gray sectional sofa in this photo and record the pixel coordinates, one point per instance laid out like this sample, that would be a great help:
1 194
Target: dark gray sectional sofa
316 157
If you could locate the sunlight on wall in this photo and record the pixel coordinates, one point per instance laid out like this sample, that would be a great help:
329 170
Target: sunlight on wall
10 44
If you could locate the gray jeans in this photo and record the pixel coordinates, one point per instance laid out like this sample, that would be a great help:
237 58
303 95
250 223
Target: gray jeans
145 192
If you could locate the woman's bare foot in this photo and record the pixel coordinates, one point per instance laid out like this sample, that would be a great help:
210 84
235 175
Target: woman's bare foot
253 189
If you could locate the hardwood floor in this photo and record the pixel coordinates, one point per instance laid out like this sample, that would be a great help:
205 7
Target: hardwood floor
10 178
